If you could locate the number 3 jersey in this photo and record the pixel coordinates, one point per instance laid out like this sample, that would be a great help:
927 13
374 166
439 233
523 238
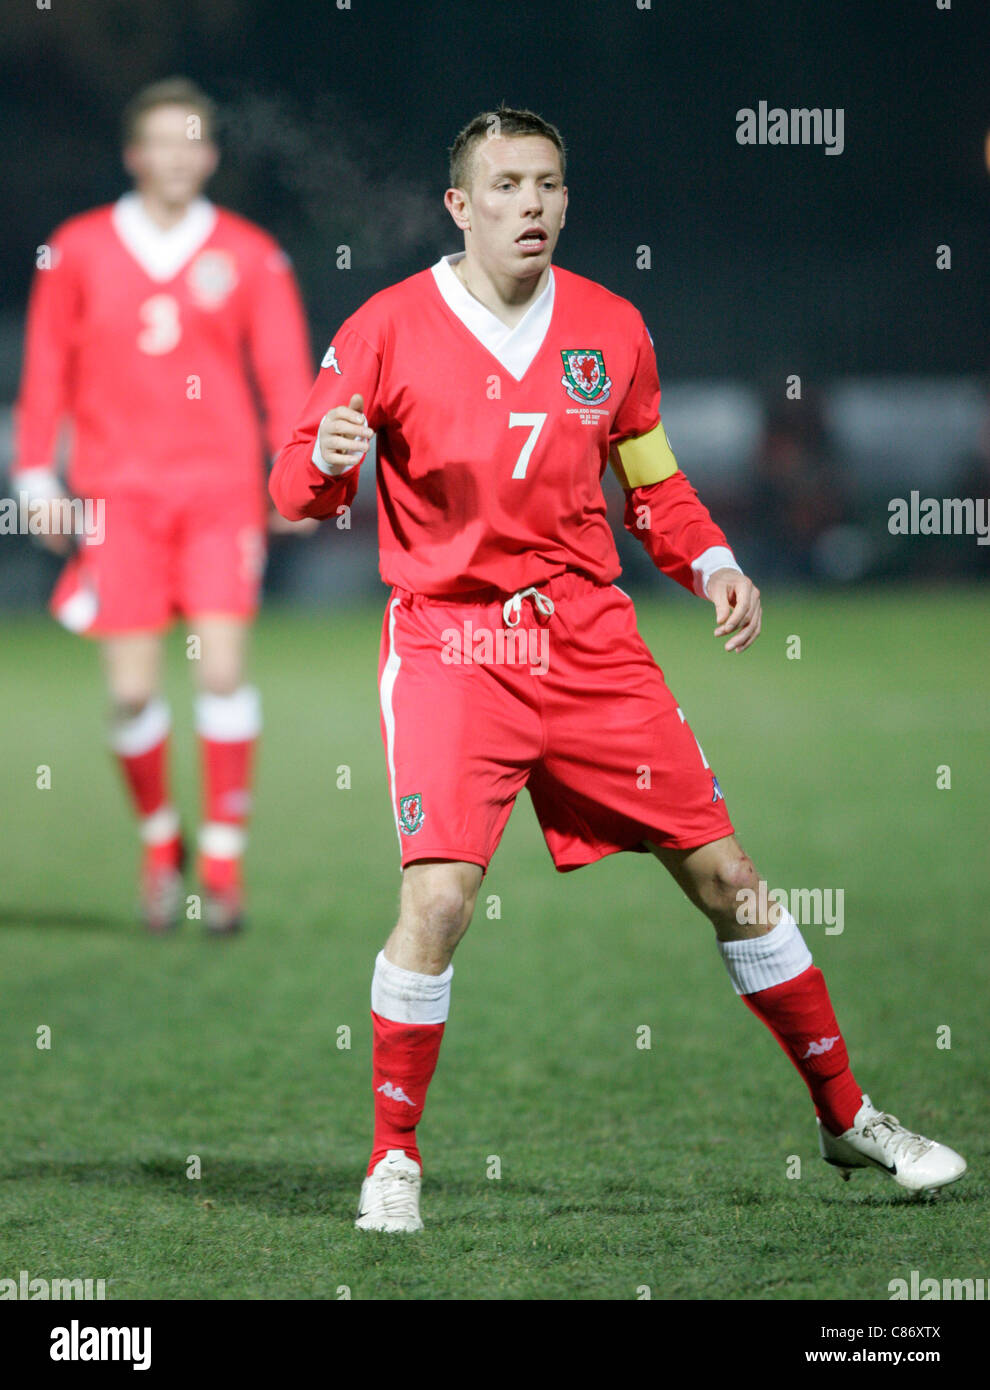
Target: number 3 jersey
154 343
491 441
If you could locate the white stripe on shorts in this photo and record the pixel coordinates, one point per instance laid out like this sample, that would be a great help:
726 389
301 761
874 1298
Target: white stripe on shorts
386 690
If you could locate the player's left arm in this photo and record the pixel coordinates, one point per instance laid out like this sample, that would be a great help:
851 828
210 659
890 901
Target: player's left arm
663 511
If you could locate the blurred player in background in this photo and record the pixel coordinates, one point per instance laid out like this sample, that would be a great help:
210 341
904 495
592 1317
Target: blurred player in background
501 389
155 327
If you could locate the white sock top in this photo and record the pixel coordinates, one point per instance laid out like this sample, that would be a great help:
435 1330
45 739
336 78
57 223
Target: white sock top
760 962
403 996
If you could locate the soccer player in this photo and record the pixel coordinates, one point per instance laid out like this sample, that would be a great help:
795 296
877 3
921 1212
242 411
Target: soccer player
153 325
500 389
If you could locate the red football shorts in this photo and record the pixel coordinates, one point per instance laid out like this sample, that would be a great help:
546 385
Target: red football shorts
164 554
570 705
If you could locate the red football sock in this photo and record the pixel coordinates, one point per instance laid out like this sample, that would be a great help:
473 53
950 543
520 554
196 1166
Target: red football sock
226 780
228 727
165 854
799 1014
146 775
226 804
140 744
404 1059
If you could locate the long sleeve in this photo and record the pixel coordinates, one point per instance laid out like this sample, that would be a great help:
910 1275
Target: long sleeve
53 316
278 343
663 510
677 532
300 487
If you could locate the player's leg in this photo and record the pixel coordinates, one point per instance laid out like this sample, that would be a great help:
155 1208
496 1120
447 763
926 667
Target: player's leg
622 771
458 743
218 560
139 730
116 590
410 999
771 968
228 724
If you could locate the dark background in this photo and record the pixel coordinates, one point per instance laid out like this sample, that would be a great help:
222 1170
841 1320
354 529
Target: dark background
766 261
338 121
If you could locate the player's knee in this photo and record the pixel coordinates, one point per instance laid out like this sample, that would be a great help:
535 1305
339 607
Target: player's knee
218 677
733 874
438 910
441 912
128 703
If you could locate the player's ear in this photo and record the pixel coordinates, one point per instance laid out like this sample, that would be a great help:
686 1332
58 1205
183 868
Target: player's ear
563 215
455 201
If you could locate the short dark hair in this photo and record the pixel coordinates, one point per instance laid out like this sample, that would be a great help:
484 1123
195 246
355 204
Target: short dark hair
171 91
504 121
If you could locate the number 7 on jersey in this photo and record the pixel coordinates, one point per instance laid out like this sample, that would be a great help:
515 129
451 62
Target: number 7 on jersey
536 421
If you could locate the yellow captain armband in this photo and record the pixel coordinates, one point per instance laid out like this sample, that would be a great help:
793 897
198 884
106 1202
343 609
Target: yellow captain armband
644 460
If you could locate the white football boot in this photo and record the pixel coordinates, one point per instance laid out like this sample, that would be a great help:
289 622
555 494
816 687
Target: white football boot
877 1140
390 1195
162 895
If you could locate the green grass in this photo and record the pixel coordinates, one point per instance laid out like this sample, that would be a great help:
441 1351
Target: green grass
620 1167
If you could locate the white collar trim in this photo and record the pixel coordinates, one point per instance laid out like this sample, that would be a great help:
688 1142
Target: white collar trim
515 347
161 253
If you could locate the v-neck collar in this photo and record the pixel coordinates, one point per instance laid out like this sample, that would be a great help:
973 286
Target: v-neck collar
161 253
514 348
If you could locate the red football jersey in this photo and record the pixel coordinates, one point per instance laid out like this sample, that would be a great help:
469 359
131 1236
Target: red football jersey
155 344
492 441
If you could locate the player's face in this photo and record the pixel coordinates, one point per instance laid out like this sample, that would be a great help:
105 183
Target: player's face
514 210
166 160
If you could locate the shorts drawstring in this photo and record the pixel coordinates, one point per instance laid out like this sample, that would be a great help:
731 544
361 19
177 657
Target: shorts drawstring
512 607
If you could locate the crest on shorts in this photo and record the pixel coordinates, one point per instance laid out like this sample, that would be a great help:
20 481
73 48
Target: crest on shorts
411 813
211 278
584 376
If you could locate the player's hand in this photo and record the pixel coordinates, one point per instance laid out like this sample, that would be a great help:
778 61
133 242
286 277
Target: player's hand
279 525
45 518
344 435
737 608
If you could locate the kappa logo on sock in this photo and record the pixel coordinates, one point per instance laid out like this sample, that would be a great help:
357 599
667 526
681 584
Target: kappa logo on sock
236 802
395 1093
818 1049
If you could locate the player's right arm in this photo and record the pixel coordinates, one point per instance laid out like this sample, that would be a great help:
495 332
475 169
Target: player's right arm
53 316
316 473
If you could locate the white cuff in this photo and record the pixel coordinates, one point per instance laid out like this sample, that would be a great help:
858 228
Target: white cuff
317 457
160 827
139 733
220 840
404 996
233 718
716 557
39 483
760 962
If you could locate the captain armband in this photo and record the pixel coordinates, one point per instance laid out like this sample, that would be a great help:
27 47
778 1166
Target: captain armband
644 460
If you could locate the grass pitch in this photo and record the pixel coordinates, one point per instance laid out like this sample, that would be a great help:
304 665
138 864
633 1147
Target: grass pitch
621 1167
